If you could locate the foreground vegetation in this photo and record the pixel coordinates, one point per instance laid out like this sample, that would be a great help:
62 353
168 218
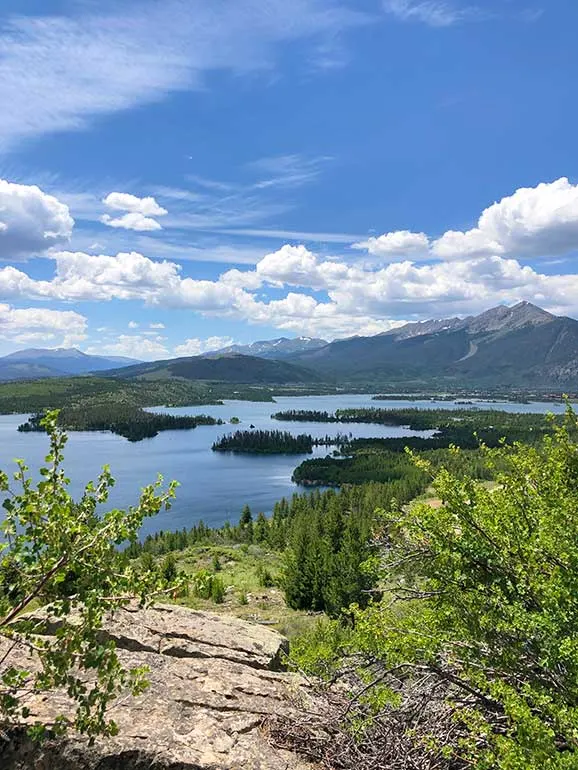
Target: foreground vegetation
449 629
465 656
62 554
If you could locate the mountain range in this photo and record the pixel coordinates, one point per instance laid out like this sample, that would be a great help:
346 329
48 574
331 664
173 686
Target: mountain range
519 346
280 348
36 363
522 346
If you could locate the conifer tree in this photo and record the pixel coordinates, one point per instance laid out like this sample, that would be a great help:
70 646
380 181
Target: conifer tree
246 524
261 529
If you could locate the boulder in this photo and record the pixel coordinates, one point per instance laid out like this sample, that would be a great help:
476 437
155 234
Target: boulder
214 680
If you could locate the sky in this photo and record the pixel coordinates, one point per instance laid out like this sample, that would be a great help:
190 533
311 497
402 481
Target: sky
179 175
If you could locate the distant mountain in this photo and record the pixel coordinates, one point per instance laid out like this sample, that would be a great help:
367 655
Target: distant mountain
36 363
232 367
278 349
519 346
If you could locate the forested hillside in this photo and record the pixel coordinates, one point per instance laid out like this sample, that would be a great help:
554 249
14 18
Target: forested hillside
231 368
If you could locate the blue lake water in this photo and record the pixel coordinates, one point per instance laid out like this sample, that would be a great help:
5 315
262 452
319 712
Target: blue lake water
214 485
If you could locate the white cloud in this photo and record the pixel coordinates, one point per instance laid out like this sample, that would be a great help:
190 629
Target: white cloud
316 295
58 72
303 314
139 212
196 347
157 326
133 346
148 206
434 13
48 328
30 221
295 235
241 279
287 170
132 221
133 325
401 243
360 299
126 276
297 266
539 221
536 221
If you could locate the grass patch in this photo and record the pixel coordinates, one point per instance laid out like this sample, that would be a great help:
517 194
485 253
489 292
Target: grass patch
251 575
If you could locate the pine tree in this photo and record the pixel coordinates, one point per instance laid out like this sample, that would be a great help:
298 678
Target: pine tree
261 529
246 524
169 569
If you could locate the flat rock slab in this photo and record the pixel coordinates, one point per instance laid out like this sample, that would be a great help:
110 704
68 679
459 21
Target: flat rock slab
213 681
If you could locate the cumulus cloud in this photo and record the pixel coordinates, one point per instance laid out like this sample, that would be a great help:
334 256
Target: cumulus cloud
401 243
132 221
297 266
303 314
157 326
533 222
139 212
196 347
133 346
31 221
242 279
465 273
359 299
148 207
125 276
27 326
539 221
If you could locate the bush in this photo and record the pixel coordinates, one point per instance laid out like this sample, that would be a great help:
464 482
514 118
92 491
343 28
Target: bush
483 600
320 649
217 590
206 585
264 577
63 554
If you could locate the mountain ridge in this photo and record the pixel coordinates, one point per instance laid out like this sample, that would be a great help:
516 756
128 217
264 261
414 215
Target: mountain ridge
37 363
518 346
231 368
483 349
277 348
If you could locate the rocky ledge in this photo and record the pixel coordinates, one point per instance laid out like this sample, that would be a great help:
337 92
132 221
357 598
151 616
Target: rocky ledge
214 680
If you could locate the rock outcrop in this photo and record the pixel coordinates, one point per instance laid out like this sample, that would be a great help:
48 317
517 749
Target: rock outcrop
213 682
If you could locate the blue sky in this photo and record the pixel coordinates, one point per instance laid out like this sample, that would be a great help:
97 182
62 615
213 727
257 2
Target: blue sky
179 174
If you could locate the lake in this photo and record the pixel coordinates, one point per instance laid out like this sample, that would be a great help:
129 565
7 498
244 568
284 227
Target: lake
214 485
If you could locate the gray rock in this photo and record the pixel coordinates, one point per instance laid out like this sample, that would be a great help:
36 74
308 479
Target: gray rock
213 682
